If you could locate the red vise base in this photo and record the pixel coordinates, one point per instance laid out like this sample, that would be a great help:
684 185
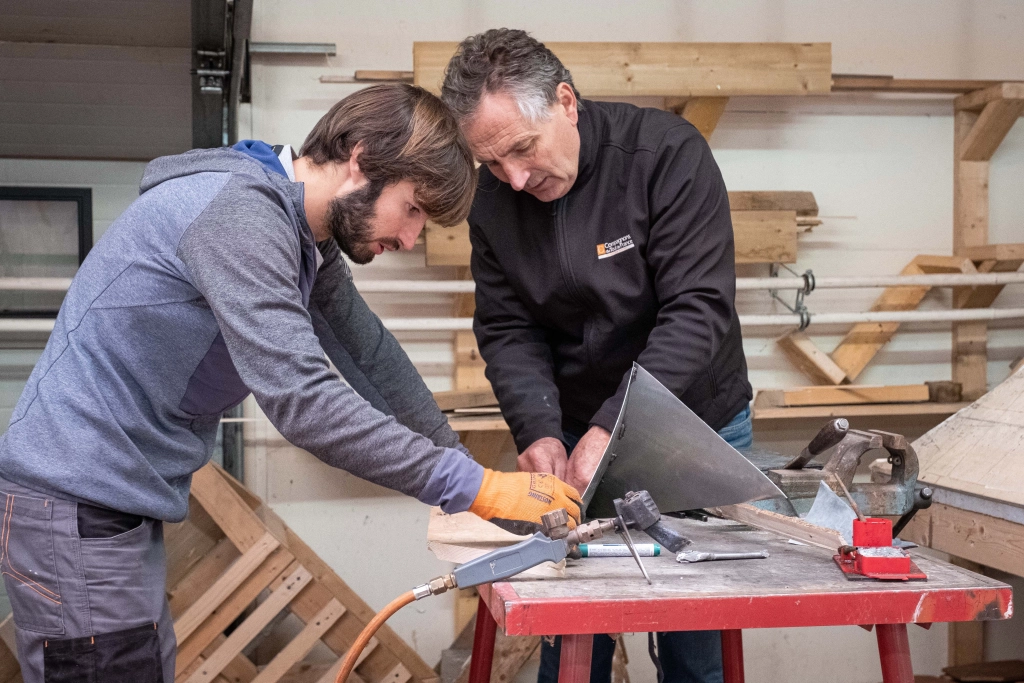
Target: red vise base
856 566
873 532
876 532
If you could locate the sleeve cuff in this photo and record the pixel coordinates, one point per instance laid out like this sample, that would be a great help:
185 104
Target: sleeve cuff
454 483
608 414
538 431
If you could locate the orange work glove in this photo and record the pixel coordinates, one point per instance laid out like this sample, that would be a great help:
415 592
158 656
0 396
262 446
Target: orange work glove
515 501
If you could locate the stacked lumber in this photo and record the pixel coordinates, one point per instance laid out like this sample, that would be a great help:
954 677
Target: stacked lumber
234 564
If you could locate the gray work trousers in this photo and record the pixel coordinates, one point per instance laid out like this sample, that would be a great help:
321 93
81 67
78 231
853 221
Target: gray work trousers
86 610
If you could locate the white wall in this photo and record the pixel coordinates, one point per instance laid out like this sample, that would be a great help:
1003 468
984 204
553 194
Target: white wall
880 168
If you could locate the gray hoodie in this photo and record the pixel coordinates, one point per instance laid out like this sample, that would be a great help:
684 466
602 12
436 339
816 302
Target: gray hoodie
204 290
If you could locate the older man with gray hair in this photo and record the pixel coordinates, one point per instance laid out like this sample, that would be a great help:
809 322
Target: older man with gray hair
601 236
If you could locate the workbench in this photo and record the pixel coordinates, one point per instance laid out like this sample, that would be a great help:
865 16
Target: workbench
798 585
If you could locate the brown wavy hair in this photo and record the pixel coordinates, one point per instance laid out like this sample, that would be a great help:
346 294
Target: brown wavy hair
407 134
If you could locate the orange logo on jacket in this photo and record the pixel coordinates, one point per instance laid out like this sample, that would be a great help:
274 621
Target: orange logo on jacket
614 247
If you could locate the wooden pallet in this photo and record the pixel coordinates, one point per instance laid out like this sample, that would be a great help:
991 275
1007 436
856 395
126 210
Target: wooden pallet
234 563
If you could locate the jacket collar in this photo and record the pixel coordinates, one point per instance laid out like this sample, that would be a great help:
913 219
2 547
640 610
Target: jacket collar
590 130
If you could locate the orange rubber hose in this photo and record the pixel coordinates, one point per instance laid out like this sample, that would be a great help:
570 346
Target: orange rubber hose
364 636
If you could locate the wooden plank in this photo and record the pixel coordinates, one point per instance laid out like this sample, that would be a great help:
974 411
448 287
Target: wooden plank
279 563
224 586
970 229
987 540
469 365
763 412
188 541
447 246
331 674
979 98
864 340
299 646
253 624
473 423
984 296
790 527
238 670
669 69
994 252
227 508
970 357
811 360
855 394
930 264
704 113
465 398
859 83
379 75
988 131
765 236
202 576
398 674
803 203
465 304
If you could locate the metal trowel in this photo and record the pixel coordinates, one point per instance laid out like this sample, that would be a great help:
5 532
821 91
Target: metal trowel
660 445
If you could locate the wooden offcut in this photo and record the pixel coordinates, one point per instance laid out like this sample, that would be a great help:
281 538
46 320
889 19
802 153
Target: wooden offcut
811 360
447 246
465 398
854 394
704 113
669 69
803 203
765 236
790 527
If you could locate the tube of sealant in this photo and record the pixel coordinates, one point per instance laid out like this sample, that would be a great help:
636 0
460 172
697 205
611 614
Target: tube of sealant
619 550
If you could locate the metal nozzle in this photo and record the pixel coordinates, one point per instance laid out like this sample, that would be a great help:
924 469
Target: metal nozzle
441 584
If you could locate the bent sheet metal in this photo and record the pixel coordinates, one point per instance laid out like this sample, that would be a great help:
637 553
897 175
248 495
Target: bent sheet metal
660 445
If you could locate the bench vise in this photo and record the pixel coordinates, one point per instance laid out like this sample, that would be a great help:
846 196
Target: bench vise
901 496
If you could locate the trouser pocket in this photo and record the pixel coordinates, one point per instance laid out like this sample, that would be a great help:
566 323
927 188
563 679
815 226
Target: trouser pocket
28 564
129 656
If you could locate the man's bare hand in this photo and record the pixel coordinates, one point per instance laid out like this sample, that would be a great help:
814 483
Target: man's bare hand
586 457
544 455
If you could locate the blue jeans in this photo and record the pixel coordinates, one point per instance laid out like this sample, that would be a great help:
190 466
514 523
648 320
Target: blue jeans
686 656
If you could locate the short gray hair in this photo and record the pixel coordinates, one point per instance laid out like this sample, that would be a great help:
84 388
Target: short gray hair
508 61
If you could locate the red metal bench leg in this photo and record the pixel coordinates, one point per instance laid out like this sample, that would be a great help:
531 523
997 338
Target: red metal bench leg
483 645
894 653
574 665
732 656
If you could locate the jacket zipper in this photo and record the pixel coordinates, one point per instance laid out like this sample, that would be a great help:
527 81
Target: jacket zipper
568 276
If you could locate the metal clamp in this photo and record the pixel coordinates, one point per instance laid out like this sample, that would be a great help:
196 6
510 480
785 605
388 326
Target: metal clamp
799 307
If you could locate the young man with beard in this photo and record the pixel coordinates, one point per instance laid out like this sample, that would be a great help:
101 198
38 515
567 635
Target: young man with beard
225 277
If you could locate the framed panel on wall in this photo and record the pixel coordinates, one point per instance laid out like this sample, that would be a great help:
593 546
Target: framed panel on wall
45 232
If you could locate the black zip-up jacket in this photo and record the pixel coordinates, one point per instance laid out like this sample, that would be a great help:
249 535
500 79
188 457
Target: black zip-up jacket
635 263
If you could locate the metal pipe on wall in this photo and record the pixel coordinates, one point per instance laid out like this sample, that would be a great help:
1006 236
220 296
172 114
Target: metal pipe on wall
743 283
771 320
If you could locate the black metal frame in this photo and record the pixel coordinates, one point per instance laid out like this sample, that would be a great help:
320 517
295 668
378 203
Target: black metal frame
82 196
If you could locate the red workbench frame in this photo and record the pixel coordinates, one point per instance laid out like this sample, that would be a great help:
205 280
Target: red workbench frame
889 609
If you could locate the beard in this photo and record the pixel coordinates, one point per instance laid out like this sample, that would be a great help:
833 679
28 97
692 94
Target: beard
349 221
